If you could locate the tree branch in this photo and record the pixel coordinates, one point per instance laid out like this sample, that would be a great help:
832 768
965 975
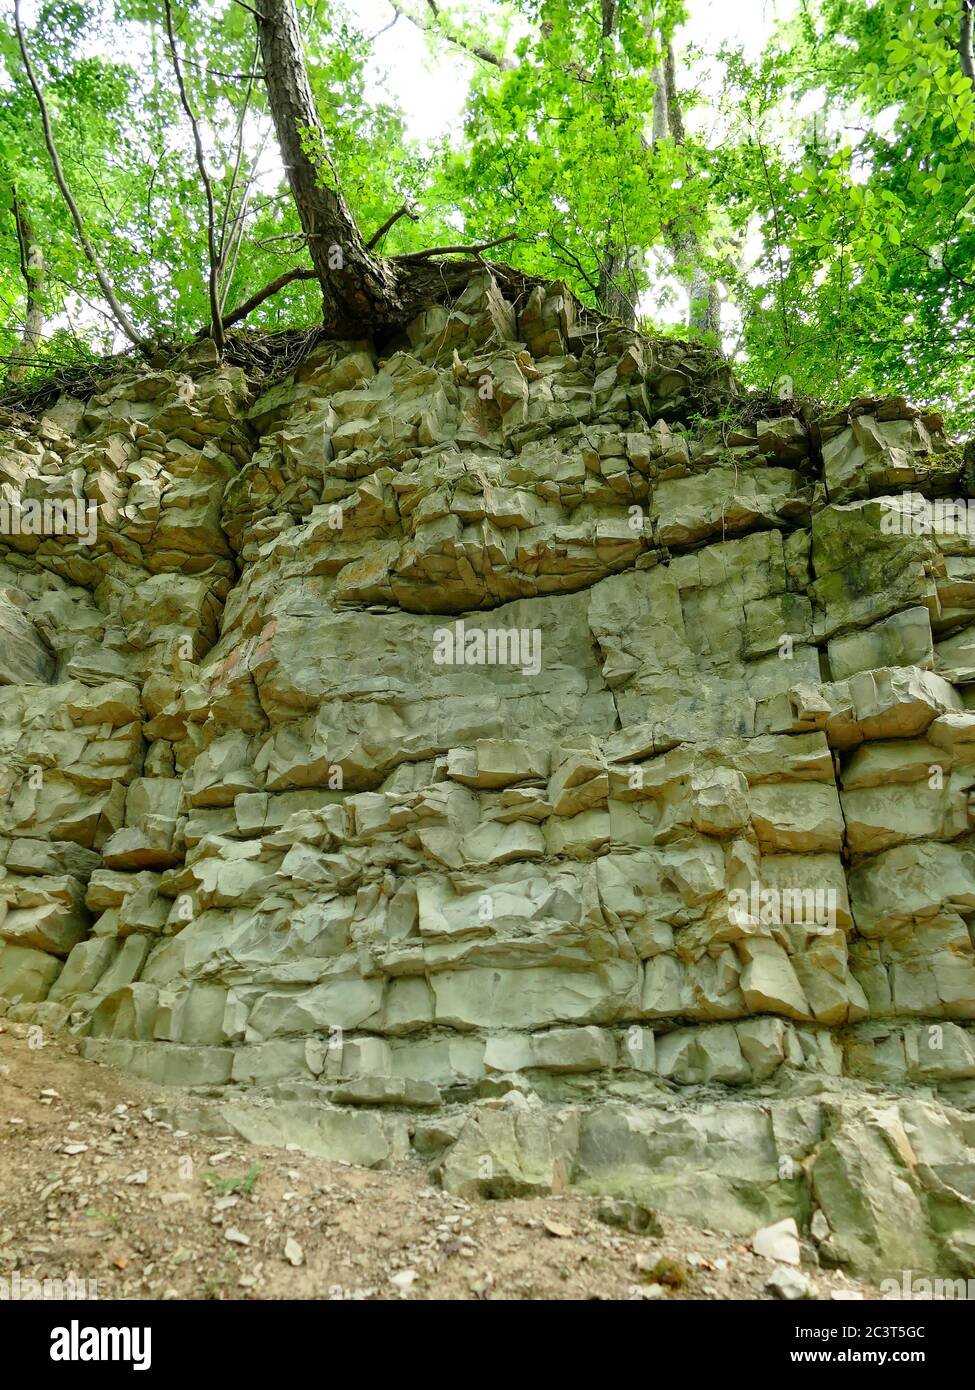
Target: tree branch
235 233
296 273
438 26
225 220
213 279
118 313
569 258
405 211
952 274
386 27
230 76
456 250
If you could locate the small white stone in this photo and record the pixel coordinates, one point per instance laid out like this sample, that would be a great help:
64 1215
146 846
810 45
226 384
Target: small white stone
819 1226
779 1242
789 1284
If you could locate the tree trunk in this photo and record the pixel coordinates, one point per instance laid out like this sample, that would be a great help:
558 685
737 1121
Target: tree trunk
704 300
360 291
615 262
612 298
84 241
33 270
661 115
704 308
965 46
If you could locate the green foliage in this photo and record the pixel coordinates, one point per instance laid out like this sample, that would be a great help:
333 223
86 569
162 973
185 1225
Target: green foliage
558 148
866 275
844 244
670 1273
127 153
242 1185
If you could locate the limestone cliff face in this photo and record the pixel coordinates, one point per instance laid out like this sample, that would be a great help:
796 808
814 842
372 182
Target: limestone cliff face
514 750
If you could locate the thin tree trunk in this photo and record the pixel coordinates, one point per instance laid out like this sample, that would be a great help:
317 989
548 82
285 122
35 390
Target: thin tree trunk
33 270
704 300
965 45
118 313
704 306
213 275
661 122
615 260
613 300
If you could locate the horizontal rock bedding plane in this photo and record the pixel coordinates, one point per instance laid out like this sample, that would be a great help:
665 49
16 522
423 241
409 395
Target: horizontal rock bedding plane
518 751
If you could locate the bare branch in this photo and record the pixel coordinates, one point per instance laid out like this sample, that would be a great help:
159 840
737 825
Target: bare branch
230 76
296 273
438 25
569 258
224 246
386 27
405 211
265 241
456 250
235 235
118 313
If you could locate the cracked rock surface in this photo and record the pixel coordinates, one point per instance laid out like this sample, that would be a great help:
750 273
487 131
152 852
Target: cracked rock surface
516 750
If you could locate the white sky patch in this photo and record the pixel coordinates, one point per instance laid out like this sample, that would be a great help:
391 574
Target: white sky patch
430 82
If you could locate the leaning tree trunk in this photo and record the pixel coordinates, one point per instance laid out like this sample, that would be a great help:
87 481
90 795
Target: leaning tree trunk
360 291
33 270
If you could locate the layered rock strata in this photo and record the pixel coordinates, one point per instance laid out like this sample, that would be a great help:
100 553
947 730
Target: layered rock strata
516 748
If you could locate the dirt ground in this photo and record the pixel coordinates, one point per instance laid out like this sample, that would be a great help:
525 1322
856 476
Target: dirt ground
94 1185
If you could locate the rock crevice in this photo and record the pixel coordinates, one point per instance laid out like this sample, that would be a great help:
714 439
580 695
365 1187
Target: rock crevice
519 750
